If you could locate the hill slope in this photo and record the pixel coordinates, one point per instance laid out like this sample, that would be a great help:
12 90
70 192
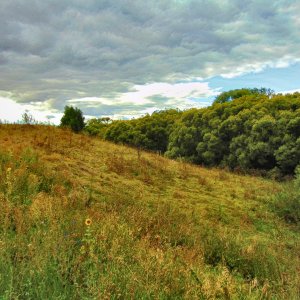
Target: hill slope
83 218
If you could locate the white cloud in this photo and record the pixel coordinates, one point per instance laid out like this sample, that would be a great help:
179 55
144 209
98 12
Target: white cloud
180 91
290 91
147 98
284 62
11 111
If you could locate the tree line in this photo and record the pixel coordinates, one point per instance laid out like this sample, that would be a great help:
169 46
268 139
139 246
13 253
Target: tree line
244 129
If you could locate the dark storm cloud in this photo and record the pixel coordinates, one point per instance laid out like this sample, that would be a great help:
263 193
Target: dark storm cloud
59 50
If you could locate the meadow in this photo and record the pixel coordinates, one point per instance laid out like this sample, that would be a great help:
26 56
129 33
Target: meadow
83 218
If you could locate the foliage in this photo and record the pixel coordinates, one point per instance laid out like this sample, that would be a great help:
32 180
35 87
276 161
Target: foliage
73 118
97 126
255 130
149 132
287 202
238 93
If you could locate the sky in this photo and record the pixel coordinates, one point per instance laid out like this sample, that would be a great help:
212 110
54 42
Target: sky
126 58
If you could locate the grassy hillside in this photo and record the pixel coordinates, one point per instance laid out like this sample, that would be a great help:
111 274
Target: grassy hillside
86 219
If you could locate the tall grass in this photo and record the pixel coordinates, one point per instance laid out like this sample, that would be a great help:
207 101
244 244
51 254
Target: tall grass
287 202
95 221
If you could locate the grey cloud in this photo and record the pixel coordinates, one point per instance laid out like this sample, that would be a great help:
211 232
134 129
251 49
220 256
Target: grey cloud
49 117
159 100
99 110
59 50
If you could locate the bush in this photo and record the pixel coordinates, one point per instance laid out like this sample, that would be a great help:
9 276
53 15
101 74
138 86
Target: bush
287 203
248 258
73 118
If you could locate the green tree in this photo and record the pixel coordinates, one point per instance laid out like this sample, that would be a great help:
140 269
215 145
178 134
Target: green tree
246 129
238 93
73 118
119 132
97 126
288 155
149 132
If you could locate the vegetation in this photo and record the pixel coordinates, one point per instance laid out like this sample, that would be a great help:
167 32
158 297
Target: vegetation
96 126
245 130
83 218
73 119
150 132
287 202
27 118
238 93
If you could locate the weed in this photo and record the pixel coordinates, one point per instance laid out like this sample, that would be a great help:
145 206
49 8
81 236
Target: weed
202 181
222 175
287 203
251 260
116 163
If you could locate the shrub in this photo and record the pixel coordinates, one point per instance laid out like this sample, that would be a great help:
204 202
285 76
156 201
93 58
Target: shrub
73 118
287 203
248 258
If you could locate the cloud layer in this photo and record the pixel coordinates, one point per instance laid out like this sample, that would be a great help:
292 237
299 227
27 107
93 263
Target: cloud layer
54 51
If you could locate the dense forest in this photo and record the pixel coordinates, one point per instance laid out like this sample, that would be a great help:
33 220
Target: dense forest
244 130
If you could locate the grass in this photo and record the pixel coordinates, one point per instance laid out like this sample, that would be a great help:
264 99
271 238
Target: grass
159 229
287 202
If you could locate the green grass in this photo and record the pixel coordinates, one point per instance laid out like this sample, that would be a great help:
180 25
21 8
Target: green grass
160 229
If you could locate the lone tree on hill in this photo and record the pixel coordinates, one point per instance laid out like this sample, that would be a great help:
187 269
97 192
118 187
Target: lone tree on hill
73 118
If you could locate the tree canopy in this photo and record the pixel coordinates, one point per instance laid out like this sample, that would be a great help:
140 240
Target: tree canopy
247 130
237 93
73 119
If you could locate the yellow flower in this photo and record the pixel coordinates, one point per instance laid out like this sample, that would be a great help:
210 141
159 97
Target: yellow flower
8 170
88 222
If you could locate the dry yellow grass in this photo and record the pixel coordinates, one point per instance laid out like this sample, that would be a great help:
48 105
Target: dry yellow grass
159 228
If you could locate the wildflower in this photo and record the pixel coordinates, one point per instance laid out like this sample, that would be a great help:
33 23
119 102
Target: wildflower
82 250
88 222
8 170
